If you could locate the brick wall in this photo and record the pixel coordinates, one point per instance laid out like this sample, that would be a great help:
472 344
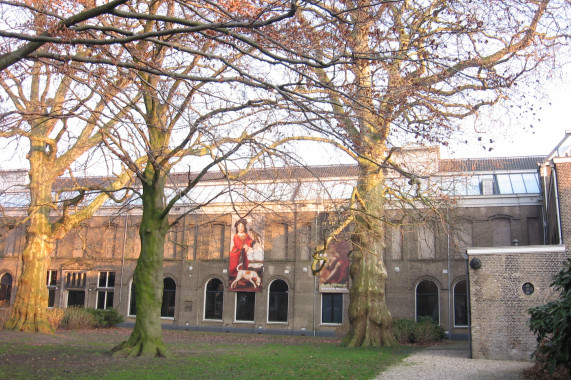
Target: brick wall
499 317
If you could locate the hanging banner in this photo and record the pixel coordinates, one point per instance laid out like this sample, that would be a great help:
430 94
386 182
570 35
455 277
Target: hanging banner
246 255
334 276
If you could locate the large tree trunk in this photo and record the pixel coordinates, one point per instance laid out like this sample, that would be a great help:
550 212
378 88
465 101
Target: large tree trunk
370 322
29 310
146 339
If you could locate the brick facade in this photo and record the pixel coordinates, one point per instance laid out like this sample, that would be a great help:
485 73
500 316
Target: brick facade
500 322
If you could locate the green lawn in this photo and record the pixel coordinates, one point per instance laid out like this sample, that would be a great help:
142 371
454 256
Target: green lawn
85 355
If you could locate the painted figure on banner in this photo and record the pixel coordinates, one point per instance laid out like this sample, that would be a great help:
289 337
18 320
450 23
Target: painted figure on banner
246 257
334 276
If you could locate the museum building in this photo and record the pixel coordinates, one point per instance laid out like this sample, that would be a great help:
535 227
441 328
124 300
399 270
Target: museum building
242 262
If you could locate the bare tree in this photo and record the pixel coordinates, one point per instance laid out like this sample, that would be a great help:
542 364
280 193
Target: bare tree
415 69
59 111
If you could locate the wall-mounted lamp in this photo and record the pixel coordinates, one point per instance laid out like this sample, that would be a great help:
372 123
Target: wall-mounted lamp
515 242
397 269
304 269
475 263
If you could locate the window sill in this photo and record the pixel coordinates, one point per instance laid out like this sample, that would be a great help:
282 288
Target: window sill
246 322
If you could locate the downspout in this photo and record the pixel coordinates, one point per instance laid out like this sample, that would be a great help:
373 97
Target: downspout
123 261
554 171
468 306
315 276
543 173
450 314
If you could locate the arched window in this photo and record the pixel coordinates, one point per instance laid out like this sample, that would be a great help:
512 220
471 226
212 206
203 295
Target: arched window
460 304
5 288
169 293
427 304
214 299
278 301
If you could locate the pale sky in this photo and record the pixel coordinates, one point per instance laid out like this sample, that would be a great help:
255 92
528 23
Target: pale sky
518 139
511 133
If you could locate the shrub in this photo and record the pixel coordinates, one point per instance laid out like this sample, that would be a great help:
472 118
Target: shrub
4 313
55 316
106 318
552 325
75 318
403 330
424 331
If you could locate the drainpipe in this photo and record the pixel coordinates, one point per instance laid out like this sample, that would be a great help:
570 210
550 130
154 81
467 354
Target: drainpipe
543 173
554 171
315 276
123 261
468 305
450 314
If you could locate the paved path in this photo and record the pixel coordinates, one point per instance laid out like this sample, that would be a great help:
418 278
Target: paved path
451 362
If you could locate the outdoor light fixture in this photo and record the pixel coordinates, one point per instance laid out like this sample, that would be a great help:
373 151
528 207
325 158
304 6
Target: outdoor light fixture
475 263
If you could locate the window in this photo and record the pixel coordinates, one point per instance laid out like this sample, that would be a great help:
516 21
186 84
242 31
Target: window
76 298
132 303
75 285
278 301
5 288
245 306
332 308
105 289
214 299
427 304
51 282
169 293
75 280
460 304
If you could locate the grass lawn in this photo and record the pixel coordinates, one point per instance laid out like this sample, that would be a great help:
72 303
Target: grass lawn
84 354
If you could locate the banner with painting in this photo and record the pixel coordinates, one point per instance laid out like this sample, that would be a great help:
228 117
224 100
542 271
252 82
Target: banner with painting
246 254
334 275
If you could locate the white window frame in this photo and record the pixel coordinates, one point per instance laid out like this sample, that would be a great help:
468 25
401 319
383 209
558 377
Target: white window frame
321 310
268 304
104 289
437 297
454 302
204 302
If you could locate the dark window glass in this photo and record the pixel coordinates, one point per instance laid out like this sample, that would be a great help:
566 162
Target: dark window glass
5 288
51 297
51 279
104 299
278 302
214 299
132 302
460 304
169 292
427 300
245 305
76 298
332 308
